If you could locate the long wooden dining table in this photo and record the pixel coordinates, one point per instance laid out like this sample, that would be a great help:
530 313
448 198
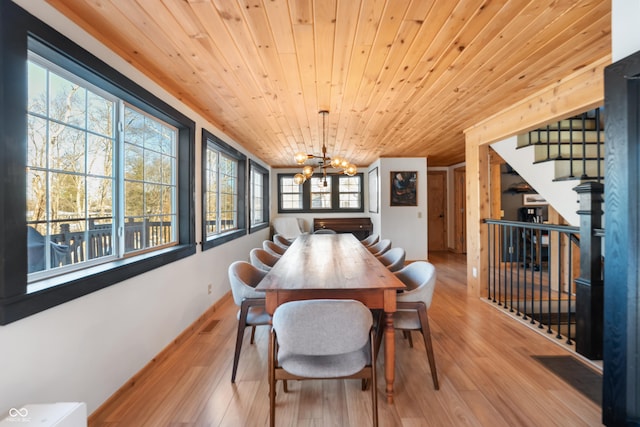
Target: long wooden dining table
336 266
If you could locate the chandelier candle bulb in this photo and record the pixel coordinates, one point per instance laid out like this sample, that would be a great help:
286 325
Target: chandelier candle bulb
325 162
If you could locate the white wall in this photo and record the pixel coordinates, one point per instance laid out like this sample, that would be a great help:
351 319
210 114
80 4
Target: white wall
559 194
375 216
405 226
625 31
85 349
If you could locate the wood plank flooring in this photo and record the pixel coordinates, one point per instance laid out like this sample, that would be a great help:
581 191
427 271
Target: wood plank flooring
487 377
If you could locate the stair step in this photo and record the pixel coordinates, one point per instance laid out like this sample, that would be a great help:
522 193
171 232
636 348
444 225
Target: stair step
564 136
566 159
574 123
579 178
589 150
590 167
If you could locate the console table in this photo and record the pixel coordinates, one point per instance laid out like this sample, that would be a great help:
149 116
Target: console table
359 227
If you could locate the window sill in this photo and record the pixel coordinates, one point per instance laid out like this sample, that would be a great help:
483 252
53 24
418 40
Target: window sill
57 290
223 238
258 227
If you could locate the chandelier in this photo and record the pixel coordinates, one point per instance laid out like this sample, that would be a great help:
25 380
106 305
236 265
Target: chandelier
324 162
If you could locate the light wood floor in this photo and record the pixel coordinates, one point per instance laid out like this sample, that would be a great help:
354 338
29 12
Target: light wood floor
487 377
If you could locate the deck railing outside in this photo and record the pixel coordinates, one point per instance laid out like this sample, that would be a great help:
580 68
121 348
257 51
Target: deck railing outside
97 241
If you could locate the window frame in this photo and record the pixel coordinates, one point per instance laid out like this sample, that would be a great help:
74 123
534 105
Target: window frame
306 196
209 139
254 166
21 32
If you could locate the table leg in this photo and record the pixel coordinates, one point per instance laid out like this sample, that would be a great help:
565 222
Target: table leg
389 354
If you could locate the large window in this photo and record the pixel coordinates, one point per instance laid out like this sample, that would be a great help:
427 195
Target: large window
341 193
258 197
96 178
289 194
75 150
224 179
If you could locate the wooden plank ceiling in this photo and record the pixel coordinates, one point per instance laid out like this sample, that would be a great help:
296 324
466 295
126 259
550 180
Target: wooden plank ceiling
399 77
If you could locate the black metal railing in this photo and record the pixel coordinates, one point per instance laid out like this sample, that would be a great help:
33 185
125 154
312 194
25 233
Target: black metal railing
578 140
531 273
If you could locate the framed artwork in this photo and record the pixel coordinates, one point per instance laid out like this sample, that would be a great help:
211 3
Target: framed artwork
533 199
404 188
373 190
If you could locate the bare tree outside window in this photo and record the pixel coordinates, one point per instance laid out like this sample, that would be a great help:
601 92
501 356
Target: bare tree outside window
73 187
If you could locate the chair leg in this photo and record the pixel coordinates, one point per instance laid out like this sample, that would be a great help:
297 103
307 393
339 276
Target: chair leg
242 324
407 335
253 334
379 330
426 334
272 380
374 384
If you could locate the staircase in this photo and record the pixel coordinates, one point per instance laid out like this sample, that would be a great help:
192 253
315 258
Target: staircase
556 158
575 146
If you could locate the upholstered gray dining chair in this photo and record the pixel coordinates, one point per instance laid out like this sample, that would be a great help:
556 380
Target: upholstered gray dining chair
281 240
243 278
393 259
381 247
288 227
262 259
370 240
412 305
269 246
322 339
324 231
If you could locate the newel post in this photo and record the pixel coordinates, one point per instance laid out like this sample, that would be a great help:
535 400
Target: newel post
590 284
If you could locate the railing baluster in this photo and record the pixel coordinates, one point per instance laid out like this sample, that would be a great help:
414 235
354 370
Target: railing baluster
559 309
500 277
533 279
510 251
598 144
584 146
523 235
541 287
491 273
556 236
559 140
571 175
518 271
569 282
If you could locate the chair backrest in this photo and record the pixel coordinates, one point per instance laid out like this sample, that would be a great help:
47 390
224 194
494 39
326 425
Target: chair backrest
279 238
262 259
324 231
322 327
381 247
287 226
420 279
279 243
243 278
393 259
269 246
372 239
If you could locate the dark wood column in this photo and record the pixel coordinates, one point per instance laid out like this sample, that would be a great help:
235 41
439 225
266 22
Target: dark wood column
620 405
589 286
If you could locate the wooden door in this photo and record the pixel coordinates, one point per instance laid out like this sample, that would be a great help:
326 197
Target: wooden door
459 209
437 210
